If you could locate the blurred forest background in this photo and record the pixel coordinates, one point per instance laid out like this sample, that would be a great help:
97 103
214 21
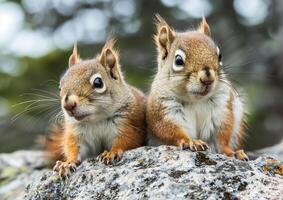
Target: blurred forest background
36 38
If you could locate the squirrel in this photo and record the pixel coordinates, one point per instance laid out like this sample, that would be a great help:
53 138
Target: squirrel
103 115
191 101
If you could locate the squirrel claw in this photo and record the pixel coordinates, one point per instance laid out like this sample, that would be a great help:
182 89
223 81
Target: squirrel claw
194 145
199 145
108 157
64 169
240 154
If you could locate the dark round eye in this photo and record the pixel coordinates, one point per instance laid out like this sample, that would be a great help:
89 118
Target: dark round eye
219 57
98 83
179 60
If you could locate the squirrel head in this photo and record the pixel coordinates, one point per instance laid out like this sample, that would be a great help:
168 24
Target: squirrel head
189 62
90 89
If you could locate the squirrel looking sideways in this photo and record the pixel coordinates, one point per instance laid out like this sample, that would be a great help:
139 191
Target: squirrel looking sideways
102 113
191 102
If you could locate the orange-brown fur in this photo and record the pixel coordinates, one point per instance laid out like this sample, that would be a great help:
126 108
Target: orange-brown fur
53 143
242 135
225 132
163 128
62 144
185 86
131 132
76 90
70 144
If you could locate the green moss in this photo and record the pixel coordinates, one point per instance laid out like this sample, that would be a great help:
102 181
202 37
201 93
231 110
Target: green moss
8 174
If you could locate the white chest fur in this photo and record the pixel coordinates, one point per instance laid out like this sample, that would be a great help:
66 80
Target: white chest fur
200 119
96 137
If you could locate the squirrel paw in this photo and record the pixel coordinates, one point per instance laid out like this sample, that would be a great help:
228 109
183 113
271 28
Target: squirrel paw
108 157
65 168
240 154
193 145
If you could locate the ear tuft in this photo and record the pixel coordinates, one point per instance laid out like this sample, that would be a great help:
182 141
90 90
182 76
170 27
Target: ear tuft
109 58
164 35
109 44
75 57
204 27
159 22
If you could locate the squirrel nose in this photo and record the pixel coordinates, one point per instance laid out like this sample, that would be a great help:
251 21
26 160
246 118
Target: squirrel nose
70 106
70 102
208 76
206 82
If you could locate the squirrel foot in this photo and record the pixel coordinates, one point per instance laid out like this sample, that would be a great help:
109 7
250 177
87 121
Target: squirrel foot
240 154
65 168
193 145
108 157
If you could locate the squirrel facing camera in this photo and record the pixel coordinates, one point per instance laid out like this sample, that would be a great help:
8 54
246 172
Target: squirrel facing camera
102 113
191 102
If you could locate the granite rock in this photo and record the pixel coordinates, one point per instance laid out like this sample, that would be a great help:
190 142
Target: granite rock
164 173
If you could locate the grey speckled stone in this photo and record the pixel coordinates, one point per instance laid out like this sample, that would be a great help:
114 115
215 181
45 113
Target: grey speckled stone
163 173
276 151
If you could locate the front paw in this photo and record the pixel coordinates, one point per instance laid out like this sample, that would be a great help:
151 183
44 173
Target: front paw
108 157
193 145
65 168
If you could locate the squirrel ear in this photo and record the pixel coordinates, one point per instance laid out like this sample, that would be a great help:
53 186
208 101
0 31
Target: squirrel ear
75 57
164 37
204 27
109 58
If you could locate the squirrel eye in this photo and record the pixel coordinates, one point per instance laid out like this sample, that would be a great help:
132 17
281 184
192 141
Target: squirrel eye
178 60
97 83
